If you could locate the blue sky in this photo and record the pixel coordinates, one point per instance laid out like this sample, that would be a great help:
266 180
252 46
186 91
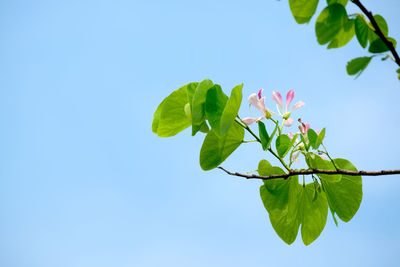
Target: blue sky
84 181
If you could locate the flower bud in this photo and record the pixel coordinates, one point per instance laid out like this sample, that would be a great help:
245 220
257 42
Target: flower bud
286 115
267 114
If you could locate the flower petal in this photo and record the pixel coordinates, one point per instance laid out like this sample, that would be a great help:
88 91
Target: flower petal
257 103
295 157
277 98
289 98
253 99
288 122
260 92
291 135
249 121
298 105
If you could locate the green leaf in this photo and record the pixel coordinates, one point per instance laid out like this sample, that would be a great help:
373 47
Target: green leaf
216 149
357 66
320 138
342 2
330 22
378 46
362 30
303 10
398 71
313 214
306 145
289 204
198 104
292 141
312 137
215 104
263 135
372 36
344 197
231 109
316 162
382 24
204 127
344 36
273 134
280 199
170 117
282 144
156 117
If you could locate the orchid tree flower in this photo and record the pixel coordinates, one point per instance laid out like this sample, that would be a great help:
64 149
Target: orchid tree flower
285 112
259 103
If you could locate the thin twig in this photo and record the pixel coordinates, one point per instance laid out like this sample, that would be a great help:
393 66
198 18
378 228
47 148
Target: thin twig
312 171
378 30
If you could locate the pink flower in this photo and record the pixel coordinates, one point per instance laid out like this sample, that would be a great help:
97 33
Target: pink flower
283 112
259 103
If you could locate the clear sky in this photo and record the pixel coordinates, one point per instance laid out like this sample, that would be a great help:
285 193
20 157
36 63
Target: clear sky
83 180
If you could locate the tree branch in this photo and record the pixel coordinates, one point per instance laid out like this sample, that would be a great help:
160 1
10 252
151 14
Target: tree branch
378 30
312 171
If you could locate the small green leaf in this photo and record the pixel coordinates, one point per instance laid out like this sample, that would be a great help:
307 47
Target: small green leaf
378 46
342 2
361 28
382 24
357 66
231 109
316 162
344 36
303 10
170 117
344 197
282 144
263 135
306 145
215 104
330 22
292 141
271 137
198 104
320 138
398 71
265 168
216 149
312 137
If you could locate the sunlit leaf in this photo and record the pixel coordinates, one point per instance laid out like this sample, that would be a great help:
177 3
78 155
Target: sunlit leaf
216 149
361 30
330 22
303 10
357 66
231 109
344 197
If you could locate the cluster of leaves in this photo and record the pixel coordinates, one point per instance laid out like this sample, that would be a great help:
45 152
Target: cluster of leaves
205 107
336 28
194 105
